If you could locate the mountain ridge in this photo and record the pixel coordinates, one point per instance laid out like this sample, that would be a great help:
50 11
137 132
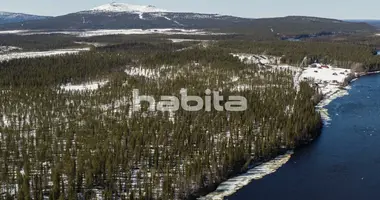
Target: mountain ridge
13 17
129 16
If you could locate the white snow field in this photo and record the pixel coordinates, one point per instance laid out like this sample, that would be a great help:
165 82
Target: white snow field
95 44
92 33
168 31
323 74
174 40
330 80
18 55
5 49
125 7
84 87
12 32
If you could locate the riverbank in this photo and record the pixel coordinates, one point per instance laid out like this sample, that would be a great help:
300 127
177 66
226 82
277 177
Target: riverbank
332 83
341 163
256 171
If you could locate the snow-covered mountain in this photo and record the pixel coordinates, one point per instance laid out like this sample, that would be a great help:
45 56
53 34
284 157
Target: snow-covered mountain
128 16
8 17
124 7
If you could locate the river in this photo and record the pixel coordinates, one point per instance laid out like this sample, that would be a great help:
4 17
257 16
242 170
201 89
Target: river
343 163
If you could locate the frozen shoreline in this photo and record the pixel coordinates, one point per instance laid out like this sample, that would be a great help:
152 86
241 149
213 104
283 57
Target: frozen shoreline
234 184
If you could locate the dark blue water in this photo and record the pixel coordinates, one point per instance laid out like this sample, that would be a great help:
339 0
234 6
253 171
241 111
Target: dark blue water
343 163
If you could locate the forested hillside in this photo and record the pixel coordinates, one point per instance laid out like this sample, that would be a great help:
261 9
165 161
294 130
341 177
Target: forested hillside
67 144
348 55
69 127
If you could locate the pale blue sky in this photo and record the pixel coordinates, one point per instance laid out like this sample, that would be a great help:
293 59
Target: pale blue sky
341 9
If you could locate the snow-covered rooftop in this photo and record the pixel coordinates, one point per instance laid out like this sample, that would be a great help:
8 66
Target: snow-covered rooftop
124 7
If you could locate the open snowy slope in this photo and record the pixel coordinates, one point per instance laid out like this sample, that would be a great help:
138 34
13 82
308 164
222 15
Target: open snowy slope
18 55
100 32
124 7
85 86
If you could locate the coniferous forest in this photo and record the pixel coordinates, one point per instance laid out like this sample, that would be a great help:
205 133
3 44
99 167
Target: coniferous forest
67 144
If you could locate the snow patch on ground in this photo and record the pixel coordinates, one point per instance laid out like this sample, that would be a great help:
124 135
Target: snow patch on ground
5 49
18 55
146 31
232 185
169 19
92 33
12 32
329 80
174 40
257 59
270 63
139 71
95 44
323 74
151 73
141 16
84 87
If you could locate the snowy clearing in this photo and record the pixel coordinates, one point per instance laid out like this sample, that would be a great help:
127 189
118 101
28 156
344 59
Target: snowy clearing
12 32
5 49
18 55
129 8
92 33
174 40
95 44
84 87
329 80
257 59
141 32
325 73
